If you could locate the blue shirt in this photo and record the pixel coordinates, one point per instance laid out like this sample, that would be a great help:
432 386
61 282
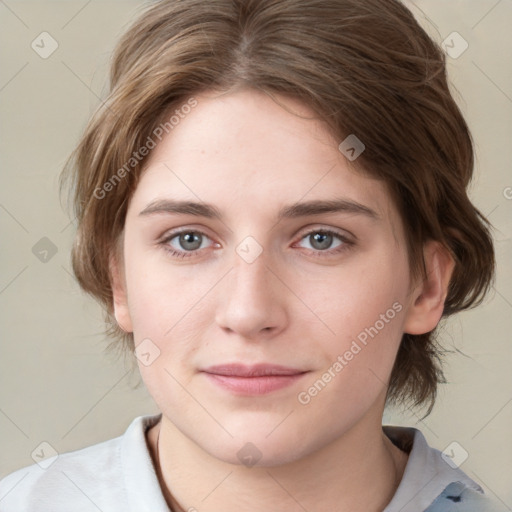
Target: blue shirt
118 475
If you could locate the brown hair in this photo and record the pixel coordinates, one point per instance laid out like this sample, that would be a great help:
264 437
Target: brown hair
366 68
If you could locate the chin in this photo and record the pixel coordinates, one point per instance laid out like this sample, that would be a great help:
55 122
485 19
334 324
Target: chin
256 454
255 447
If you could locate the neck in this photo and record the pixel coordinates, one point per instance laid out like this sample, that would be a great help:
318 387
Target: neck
358 472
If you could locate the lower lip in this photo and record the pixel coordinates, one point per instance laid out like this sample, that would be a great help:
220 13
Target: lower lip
254 385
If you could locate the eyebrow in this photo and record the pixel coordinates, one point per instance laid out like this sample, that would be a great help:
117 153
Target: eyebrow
315 207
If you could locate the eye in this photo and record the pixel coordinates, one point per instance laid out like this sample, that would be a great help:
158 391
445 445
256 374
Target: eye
321 241
189 242
184 244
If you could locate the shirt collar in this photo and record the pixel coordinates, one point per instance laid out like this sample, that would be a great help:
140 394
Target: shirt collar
140 478
426 474
425 477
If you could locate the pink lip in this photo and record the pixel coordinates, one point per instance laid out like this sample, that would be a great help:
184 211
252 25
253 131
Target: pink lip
257 379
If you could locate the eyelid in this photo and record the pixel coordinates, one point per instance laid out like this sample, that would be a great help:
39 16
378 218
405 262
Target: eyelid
342 233
171 233
347 239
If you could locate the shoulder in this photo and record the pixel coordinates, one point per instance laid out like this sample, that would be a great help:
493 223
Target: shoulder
88 479
75 477
432 482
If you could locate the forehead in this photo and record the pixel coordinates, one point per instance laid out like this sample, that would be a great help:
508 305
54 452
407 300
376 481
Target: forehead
246 150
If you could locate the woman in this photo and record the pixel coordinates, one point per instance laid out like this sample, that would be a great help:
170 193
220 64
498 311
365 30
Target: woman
272 210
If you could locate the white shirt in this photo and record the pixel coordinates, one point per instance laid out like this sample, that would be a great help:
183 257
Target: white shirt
118 476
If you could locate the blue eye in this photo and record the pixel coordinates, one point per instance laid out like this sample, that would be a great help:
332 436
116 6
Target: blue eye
321 241
187 243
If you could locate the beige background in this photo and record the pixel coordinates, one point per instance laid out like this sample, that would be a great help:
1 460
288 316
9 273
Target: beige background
57 384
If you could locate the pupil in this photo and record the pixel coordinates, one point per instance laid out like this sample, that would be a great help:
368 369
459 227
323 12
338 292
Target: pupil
188 239
323 240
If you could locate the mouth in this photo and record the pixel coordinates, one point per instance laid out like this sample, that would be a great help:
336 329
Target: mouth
251 380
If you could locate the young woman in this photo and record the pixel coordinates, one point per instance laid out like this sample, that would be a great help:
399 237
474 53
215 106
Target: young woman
272 209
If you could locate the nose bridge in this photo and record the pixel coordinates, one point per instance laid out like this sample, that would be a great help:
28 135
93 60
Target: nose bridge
251 275
252 302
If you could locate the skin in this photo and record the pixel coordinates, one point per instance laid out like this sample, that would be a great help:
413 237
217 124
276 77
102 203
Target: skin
298 304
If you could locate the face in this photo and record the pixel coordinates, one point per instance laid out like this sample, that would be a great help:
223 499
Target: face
271 311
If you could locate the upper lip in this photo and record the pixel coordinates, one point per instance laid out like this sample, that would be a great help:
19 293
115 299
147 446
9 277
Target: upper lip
255 370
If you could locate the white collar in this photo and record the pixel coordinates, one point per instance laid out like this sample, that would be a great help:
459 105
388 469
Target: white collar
426 474
425 477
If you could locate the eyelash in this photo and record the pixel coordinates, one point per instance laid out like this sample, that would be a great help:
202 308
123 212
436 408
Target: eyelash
346 243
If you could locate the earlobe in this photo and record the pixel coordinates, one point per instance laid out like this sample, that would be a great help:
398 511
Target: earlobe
427 302
118 283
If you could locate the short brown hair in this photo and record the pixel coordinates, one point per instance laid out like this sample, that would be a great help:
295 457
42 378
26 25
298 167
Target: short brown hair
365 68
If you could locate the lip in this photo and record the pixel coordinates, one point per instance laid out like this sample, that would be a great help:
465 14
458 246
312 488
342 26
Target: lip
251 380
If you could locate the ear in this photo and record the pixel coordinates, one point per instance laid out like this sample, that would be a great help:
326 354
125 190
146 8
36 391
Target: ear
429 295
118 283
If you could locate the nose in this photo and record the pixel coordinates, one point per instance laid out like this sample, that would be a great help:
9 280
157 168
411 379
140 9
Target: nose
253 299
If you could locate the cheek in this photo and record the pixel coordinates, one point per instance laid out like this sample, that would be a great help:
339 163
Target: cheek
354 296
170 308
162 298
363 306
358 362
